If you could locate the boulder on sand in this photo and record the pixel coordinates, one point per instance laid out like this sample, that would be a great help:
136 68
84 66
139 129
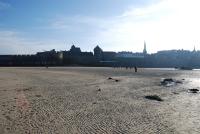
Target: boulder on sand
193 90
167 82
170 82
153 97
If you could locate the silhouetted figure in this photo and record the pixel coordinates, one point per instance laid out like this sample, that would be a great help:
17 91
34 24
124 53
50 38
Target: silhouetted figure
135 69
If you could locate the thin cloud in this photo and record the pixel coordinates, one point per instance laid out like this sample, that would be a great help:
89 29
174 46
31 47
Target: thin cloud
78 22
13 43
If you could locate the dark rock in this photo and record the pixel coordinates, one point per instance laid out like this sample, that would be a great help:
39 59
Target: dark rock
175 93
99 90
170 82
193 90
179 82
116 80
167 82
38 95
153 97
26 89
110 78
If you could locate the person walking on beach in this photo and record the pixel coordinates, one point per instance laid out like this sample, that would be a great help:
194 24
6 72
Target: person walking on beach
135 69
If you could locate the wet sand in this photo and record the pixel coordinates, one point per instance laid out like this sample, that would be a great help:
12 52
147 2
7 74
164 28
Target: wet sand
84 101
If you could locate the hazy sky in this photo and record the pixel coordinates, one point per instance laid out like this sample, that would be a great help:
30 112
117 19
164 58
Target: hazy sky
28 26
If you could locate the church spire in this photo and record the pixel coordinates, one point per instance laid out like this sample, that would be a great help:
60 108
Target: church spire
194 50
145 49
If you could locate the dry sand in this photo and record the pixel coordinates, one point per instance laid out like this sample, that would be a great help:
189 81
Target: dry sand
83 101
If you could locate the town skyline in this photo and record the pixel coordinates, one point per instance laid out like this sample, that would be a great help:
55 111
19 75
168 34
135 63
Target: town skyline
99 57
144 49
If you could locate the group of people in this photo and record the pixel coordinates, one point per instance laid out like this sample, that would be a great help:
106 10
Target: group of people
129 67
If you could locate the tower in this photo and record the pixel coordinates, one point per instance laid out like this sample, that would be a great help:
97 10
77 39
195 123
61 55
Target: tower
98 52
194 50
145 49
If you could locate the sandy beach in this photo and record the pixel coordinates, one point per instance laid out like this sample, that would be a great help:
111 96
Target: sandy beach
80 100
